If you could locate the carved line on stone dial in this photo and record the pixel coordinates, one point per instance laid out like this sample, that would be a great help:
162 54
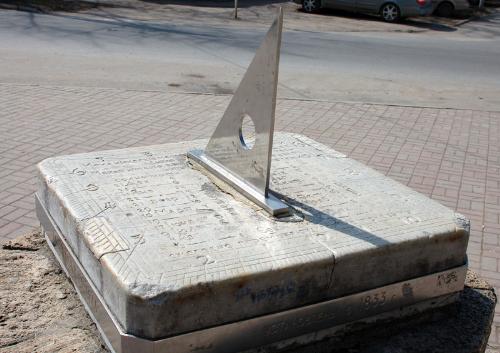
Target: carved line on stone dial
102 238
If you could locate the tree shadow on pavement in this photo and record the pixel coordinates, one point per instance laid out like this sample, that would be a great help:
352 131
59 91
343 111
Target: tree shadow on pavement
429 23
488 24
45 6
218 3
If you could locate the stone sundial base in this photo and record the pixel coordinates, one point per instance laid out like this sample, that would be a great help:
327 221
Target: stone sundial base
45 314
168 259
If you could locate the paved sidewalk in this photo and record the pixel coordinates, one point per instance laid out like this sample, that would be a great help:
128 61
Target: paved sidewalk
451 155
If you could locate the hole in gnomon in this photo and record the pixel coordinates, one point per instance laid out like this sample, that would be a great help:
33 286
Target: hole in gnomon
247 132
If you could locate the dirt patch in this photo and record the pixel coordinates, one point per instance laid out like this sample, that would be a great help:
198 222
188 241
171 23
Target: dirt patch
39 309
47 6
30 242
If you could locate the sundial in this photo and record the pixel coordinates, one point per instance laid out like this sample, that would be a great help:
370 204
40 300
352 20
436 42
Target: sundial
201 246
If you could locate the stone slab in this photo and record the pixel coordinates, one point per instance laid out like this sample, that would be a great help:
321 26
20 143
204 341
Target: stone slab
172 250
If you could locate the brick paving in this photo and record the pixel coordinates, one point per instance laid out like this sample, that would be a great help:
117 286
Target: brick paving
450 155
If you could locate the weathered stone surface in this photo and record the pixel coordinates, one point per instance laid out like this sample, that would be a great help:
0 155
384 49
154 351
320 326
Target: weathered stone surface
33 319
170 252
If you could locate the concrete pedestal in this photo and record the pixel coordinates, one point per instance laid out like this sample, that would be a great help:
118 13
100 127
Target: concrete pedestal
170 250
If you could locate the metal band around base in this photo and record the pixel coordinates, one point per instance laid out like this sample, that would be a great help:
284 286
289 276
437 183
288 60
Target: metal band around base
255 332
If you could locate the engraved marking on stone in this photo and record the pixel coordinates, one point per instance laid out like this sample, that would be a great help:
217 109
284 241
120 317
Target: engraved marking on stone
101 237
272 292
107 205
138 239
375 300
78 171
92 187
407 290
446 279
244 162
410 220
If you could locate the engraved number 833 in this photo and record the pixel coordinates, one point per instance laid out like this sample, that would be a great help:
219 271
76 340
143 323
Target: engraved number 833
374 300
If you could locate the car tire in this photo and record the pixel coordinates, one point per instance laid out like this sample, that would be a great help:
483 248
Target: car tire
445 9
311 5
390 12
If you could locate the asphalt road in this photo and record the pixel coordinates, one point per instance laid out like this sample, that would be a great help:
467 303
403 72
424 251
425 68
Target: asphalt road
458 69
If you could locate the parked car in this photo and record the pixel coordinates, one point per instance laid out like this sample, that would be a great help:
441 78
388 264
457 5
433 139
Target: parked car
389 10
447 8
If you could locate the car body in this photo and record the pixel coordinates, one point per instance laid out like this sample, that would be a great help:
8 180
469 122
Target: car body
390 10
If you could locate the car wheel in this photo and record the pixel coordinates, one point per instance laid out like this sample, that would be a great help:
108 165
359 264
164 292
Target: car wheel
310 5
445 9
390 12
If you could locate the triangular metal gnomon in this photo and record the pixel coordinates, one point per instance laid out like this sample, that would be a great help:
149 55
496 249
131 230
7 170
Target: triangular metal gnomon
227 155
